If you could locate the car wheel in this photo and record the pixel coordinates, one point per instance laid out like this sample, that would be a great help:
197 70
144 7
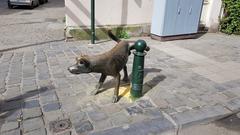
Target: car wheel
32 5
41 1
10 6
37 3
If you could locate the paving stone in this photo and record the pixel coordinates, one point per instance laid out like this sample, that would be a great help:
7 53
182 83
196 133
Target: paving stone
45 83
12 95
41 131
232 84
70 105
66 133
13 132
220 88
233 104
97 115
102 125
134 110
78 116
4 71
208 113
153 113
155 126
59 75
30 82
145 104
29 75
31 113
30 95
12 105
83 126
41 60
51 107
104 100
111 109
2 90
48 97
32 124
9 126
12 81
31 104
29 88
229 94
120 119
43 76
182 108
169 111
12 115
14 88
175 102
53 116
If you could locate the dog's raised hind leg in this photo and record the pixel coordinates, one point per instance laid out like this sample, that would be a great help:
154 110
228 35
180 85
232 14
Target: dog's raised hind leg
116 90
99 85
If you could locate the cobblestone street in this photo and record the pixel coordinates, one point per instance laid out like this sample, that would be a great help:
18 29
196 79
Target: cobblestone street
22 26
38 92
186 82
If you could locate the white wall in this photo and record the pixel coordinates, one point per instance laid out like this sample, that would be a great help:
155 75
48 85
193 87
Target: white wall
117 12
108 12
213 14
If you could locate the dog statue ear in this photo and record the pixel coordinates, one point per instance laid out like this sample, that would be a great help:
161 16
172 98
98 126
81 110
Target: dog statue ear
84 61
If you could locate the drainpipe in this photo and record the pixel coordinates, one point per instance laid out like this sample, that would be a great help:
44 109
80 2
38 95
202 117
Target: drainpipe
93 21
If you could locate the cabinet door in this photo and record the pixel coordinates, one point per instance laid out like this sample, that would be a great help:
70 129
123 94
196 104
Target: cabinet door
170 17
194 15
159 8
182 17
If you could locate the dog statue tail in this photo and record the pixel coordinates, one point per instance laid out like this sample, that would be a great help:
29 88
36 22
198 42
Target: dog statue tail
113 37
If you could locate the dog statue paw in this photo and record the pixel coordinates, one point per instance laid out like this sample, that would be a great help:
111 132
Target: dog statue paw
94 92
114 99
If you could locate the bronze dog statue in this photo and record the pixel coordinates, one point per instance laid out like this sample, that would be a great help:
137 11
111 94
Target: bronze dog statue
108 64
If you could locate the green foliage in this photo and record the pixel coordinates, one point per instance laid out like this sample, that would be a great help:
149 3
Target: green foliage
230 23
122 33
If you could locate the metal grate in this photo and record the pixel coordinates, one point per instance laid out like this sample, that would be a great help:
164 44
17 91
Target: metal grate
60 125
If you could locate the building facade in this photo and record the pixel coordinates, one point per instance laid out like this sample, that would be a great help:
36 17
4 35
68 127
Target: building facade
133 15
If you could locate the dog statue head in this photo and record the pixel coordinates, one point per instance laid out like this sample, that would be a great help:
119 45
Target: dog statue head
82 66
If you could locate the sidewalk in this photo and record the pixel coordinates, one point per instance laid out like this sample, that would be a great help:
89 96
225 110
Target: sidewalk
187 82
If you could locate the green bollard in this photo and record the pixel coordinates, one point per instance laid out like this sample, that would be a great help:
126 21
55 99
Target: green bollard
93 34
138 68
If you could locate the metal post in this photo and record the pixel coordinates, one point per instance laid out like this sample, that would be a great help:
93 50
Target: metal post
138 68
93 21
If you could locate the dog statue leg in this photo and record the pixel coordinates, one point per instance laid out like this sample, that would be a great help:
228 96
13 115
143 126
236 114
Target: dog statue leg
125 77
116 91
99 85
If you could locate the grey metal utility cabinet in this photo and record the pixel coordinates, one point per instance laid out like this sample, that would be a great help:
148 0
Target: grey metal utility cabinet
175 17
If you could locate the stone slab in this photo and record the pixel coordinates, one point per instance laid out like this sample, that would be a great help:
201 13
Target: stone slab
155 126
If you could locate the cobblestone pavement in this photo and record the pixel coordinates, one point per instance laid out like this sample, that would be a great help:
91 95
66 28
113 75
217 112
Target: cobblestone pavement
186 82
27 27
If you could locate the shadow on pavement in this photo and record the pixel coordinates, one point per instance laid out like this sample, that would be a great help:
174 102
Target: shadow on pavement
10 109
30 45
230 123
146 86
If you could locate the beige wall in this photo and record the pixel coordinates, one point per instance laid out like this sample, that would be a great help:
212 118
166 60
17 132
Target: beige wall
117 12
213 14
108 12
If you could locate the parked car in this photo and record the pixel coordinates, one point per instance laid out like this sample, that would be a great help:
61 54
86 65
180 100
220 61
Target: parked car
43 1
31 3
